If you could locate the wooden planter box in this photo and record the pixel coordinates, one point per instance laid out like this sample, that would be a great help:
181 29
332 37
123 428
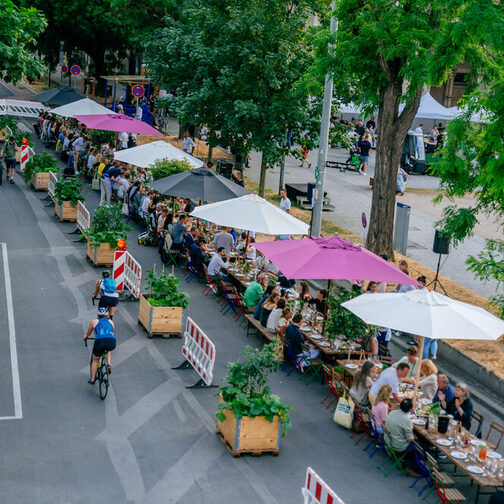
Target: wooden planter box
40 181
249 435
163 320
65 212
102 255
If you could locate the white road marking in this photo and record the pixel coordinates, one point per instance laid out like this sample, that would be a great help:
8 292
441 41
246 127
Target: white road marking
16 387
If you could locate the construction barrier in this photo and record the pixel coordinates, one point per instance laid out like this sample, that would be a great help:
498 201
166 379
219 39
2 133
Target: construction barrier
83 217
51 185
26 154
127 273
199 352
316 490
21 108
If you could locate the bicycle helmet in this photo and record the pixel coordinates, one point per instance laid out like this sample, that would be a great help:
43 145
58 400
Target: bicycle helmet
106 274
103 312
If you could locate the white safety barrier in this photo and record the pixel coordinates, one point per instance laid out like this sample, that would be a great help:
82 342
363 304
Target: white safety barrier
199 352
21 108
26 154
83 217
316 490
127 273
51 185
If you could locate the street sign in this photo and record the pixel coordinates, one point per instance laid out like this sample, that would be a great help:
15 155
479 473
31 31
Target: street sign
138 90
364 220
75 70
64 69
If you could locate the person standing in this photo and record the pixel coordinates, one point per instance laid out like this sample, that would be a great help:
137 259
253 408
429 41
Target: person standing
359 129
188 143
77 146
365 147
285 202
9 151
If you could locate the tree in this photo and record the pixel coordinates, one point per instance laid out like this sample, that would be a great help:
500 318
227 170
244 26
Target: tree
236 66
19 26
386 53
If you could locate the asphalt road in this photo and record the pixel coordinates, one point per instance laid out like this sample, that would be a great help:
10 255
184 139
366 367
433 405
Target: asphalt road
152 441
5 92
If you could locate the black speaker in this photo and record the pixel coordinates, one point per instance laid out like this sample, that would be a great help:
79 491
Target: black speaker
441 243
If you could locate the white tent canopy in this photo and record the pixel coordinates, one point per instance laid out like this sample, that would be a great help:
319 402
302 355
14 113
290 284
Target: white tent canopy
430 109
427 314
147 154
81 107
252 213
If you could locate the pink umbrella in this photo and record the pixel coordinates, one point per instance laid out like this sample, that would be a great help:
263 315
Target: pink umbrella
117 122
330 258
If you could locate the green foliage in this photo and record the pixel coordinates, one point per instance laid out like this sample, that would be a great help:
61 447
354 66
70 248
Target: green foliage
99 137
18 27
248 393
166 167
68 190
19 135
162 290
40 163
457 223
435 409
9 121
489 265
107 226
342 321
237 67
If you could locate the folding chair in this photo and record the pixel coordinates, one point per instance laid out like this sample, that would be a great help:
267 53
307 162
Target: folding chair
229 300
330 382
377 441
192 273
210 286
497 427
393 458
362 417
290 362
241 310
447 495
478 417
313 368
169 256
433 467
424 471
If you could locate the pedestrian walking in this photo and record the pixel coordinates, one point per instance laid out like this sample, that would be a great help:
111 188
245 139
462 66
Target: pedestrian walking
365 147
9 151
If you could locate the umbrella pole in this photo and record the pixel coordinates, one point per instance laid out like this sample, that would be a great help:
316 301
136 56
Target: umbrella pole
246 245
173 210
419 366
325 308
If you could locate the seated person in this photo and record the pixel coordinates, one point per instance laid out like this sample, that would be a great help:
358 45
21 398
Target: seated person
411 360
284 282
178 232
428 381
362 383
267 307
254 292
295 342
240 246
390 376
305 294
381 407
218 263
261 261
460 406
269 290
197 255
447 391
274 316
319 302
284 321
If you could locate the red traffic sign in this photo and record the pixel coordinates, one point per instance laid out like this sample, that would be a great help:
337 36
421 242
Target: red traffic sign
138 90
64 69
75 70
364 220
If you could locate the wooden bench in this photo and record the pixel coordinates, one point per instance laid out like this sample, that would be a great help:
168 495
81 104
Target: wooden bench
252 323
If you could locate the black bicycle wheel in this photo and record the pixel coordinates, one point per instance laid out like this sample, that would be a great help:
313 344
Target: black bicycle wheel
103 377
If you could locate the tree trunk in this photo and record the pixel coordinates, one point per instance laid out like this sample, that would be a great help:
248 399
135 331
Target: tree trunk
393 130
210 153
262 180
98 58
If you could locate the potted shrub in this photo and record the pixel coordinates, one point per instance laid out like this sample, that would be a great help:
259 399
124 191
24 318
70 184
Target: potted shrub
250 419
67 195
37 170
166 167
160 310
106 228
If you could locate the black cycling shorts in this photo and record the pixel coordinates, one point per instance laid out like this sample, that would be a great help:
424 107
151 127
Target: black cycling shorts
106 301
103 345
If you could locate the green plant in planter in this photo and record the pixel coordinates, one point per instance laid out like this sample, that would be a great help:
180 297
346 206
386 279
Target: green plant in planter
68 190
100 137
162 290
107 226
248 393
166 167
40 163
342 321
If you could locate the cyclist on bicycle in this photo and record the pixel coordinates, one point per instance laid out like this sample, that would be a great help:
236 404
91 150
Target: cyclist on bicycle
109 297
105 341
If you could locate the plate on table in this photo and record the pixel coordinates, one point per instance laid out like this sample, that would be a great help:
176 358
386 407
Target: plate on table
379 365
474 469
324 343
239 274
478 442
316 336
443 442
418 421
306 328
319 317
424 400
493 455
459 455
349 365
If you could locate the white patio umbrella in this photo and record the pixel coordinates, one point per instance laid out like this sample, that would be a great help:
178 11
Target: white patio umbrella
81 107
253 213
427 314
147 154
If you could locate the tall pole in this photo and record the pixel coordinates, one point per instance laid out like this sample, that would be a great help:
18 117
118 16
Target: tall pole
323 147
282 171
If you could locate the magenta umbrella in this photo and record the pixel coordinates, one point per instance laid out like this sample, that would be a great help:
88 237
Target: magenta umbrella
330 259
117 122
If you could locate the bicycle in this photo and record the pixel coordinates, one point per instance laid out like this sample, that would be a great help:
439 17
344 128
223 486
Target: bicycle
102 373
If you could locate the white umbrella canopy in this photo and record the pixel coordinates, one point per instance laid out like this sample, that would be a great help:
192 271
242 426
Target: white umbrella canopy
253 213
427 314
81 107
147 154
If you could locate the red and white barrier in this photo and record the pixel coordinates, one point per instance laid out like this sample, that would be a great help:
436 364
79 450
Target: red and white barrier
316 490
26 154
51 185
127 273
199 352
83 217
